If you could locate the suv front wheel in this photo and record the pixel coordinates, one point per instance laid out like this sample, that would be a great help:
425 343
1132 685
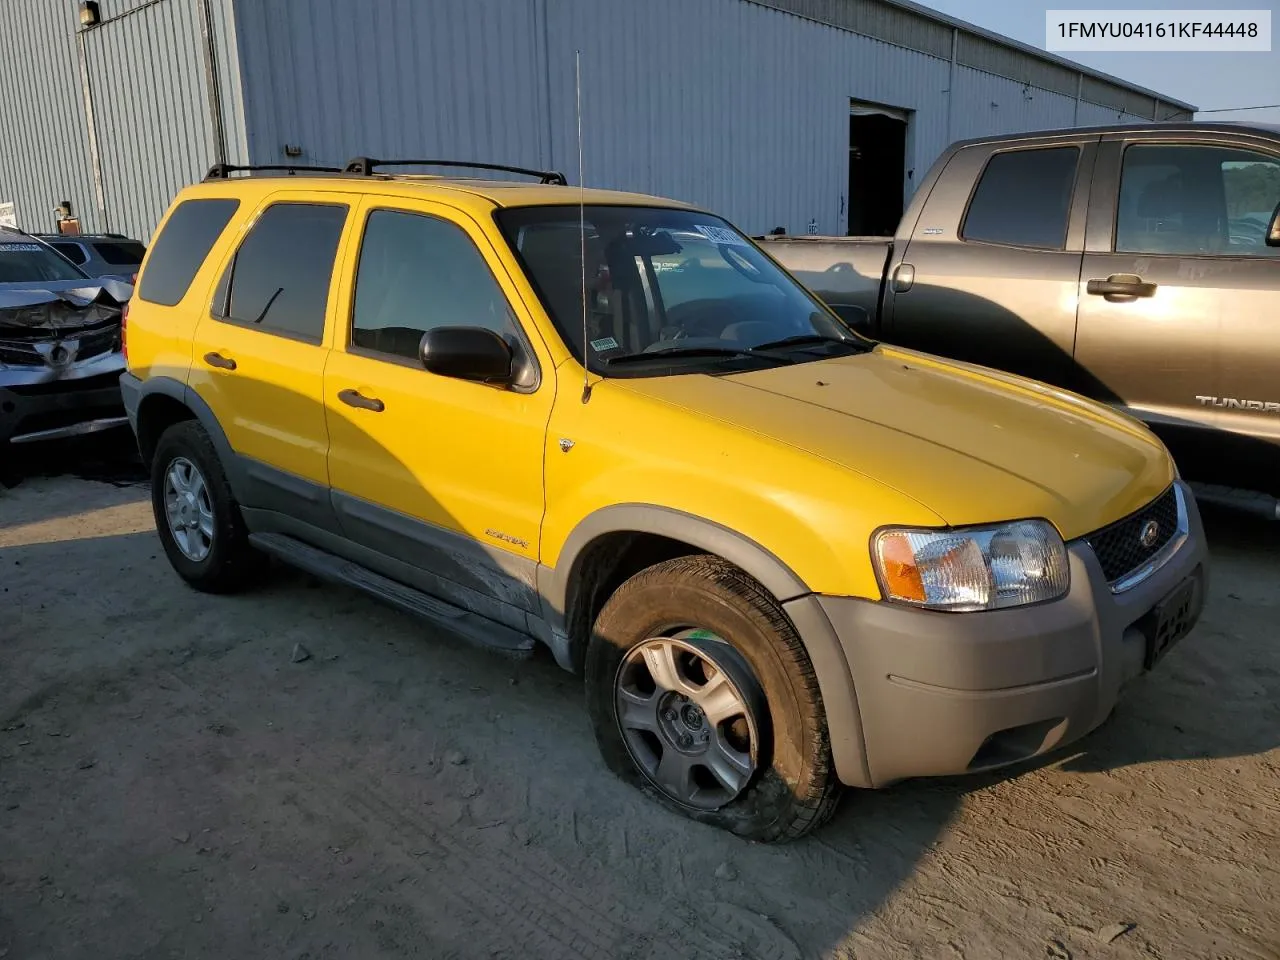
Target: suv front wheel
197 518
702 695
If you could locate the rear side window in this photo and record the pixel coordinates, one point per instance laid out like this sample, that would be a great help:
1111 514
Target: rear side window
120 253
176 255
72 251
279 278
1024 198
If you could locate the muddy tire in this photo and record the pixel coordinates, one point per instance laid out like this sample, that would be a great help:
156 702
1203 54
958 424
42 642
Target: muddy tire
197 518
703 697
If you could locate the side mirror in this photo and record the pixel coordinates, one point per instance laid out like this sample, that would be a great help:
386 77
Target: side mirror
466 353
1273 231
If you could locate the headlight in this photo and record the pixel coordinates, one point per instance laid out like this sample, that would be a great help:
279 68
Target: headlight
978 568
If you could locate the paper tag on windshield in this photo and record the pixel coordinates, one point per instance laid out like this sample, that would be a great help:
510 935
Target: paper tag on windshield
22 247
720 235
603 344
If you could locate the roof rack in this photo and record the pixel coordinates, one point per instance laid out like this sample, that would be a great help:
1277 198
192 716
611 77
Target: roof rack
221 171
364 167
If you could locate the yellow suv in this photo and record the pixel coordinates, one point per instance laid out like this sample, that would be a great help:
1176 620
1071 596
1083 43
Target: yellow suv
783 557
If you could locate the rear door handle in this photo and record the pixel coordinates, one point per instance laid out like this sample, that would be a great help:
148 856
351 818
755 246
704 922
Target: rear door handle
216 359
354 398
1121 286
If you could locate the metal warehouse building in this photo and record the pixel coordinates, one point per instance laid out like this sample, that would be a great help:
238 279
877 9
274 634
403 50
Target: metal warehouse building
806 114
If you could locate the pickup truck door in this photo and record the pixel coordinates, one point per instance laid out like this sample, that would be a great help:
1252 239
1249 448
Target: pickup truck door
1178 291
441 474
988 270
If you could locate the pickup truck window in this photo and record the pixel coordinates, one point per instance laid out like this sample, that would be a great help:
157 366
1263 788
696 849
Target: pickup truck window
416 273
1023 198
1196 200
667 280
278 280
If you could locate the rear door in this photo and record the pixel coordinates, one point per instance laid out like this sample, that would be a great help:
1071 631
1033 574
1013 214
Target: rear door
1179 295
261 347
989 272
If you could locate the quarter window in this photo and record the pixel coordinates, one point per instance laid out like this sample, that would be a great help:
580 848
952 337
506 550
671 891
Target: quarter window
1024 199
186 239
416 273
1196 200
279 279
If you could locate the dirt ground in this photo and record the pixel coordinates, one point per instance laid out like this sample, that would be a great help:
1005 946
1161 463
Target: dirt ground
172 784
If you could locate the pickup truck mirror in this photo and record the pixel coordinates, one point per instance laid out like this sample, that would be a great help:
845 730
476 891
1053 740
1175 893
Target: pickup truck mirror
1273 231
466 353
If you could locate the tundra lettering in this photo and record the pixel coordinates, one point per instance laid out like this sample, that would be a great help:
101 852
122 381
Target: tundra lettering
1231 403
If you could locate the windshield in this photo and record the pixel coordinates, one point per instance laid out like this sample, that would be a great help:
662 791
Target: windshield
666 285
28 261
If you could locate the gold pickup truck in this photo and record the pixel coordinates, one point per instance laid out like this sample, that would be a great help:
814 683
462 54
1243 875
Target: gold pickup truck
783 557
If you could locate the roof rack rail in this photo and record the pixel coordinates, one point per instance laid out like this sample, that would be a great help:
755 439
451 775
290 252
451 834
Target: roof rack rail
221 171
364 167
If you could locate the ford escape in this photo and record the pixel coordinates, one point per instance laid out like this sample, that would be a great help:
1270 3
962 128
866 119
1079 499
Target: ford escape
783 557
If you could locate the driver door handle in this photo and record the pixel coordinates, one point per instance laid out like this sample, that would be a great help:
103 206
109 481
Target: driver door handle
1121 286
354 398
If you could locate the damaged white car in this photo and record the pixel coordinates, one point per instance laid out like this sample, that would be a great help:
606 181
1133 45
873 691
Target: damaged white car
60 345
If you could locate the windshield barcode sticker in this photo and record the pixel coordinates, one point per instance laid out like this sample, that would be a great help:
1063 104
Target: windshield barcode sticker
720 235
606 343
22 247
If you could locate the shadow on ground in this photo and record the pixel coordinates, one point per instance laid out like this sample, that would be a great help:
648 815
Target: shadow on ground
172 783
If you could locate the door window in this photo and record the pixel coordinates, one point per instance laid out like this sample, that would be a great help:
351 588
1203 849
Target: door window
278 280
1196 200
1023 199
417 273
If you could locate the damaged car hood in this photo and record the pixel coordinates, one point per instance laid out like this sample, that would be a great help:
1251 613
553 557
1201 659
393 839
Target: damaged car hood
60 305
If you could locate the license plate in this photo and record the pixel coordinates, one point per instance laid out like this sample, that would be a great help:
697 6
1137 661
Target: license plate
1170 621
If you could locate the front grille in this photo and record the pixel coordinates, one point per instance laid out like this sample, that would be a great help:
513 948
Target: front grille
1119 547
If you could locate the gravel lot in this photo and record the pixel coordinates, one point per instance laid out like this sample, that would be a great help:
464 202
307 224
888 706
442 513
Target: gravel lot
172 784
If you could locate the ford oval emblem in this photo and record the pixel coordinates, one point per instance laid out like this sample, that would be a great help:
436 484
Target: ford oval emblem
1150 534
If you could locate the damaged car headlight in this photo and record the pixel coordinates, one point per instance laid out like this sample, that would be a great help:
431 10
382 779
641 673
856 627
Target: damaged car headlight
976 568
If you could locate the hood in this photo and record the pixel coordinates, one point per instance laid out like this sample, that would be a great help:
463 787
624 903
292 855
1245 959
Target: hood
61 304
971 444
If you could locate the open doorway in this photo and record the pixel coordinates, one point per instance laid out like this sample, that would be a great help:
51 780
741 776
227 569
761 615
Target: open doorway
877 163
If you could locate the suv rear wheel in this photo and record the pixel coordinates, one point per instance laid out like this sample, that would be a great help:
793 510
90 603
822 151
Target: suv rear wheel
198 520
702 695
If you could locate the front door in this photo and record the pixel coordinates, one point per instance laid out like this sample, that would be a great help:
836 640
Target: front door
1179 293
260 352
445 475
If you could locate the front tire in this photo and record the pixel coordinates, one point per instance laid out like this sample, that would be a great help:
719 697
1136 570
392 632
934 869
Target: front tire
197 518
702 696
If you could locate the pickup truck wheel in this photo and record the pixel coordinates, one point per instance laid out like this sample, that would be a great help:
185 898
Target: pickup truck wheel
198 520
702 696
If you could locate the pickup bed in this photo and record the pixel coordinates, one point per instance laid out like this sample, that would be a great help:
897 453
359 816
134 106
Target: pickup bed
1136 265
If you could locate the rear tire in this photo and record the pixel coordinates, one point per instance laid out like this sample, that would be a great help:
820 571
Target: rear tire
197 518
706 613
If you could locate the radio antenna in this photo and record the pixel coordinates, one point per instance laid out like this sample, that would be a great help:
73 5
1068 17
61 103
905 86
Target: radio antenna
582 225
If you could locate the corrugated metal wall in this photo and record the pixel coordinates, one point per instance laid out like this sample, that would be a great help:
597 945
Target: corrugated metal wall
741 107
44 159
145 66
393 78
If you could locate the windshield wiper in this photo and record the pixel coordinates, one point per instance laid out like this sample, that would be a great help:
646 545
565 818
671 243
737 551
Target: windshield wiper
800 340
642 356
